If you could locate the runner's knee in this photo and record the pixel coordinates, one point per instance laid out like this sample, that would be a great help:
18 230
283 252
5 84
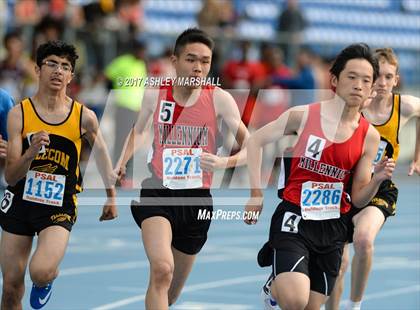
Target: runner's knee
161 273
292 302
41 276
363 244
289 300
13 290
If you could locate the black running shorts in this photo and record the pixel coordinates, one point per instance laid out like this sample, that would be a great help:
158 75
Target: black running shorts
181 208
21 217
310 247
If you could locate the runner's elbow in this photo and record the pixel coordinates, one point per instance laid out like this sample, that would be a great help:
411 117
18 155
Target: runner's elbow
253 142
358 203
9 178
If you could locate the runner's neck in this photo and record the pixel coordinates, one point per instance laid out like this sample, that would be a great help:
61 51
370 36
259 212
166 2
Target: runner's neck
51 102
185 96
380 104
338 109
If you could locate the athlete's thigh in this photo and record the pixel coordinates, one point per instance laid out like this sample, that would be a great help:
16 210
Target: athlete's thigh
183 265
157 237
14 254
344 260
289 286
368 221
51 247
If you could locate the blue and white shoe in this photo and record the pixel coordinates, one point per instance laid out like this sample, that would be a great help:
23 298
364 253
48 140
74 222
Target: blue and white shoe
268 300
40 296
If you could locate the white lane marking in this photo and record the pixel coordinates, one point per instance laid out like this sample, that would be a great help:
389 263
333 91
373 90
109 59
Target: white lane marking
255 278
386 294
188 305
189 288
143 264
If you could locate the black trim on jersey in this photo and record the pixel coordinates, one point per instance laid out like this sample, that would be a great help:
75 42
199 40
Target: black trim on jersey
389 149
287 162
79 181
23 119
51 124
399 114
80 120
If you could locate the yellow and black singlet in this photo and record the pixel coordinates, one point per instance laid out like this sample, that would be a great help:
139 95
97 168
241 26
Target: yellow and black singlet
389 130
54 174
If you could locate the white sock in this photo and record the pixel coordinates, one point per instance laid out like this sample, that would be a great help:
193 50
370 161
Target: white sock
354 305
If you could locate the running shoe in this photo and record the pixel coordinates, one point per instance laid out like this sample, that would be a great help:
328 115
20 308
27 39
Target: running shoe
268 300
40 295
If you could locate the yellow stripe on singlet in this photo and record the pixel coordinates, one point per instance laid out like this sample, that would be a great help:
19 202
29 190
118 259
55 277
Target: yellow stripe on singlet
70 129
389 130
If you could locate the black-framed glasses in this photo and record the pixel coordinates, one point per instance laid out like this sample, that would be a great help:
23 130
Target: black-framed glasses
55 65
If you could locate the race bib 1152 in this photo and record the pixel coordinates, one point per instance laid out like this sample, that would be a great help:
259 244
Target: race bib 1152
44 188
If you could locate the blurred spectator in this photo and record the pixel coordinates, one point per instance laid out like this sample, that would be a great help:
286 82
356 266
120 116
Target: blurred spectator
94 11
27 12
303 81
242 73
92 32
227 15
6 103
110 28
162 67
321 66
75 18
217 17
130 12
290 26
272 60
52 28
5 18
48 29
57 8
208 17
127 74
129 22
17 72
94 92
272 100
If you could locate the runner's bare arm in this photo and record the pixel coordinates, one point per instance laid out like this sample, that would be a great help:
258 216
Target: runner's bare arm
290 122
134 138
410 108
227 109
364 185
90 130
17 164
